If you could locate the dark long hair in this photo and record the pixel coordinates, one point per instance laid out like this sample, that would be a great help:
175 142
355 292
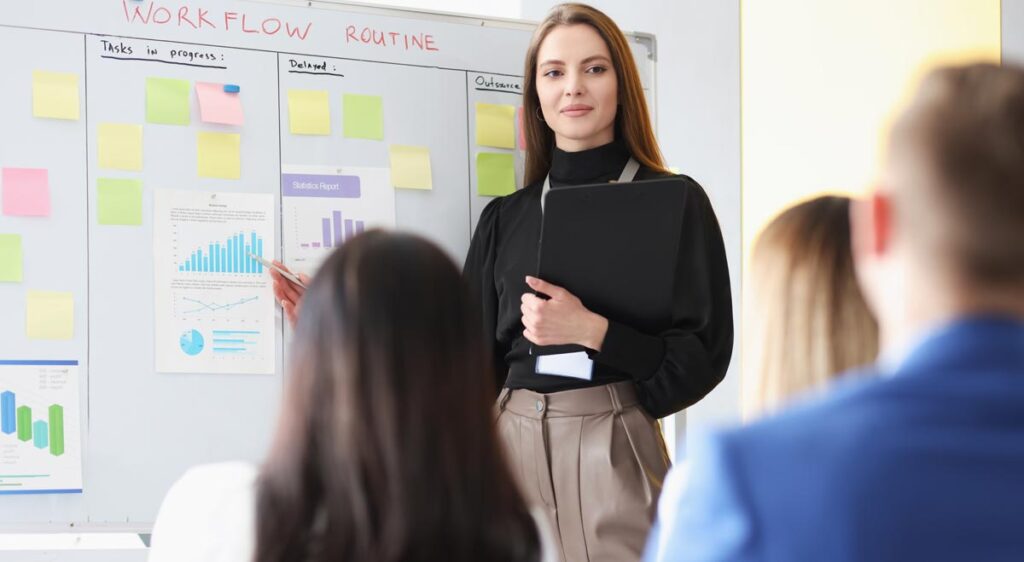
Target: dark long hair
386 449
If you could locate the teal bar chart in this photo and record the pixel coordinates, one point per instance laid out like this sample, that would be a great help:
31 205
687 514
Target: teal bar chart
231 255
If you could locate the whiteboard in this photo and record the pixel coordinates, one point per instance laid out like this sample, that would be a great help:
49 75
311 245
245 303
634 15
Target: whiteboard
142 428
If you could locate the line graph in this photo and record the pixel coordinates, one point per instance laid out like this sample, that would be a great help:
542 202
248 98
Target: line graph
197 306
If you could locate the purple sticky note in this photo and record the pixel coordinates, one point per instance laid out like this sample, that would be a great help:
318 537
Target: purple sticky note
26 192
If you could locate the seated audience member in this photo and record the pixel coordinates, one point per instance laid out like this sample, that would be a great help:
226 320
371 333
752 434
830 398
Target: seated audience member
806 318
924 462
807 315
385 448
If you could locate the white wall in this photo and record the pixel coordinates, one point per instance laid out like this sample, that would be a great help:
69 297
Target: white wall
511 9
1013 30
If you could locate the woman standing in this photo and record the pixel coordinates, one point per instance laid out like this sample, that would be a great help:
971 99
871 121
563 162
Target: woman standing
589 451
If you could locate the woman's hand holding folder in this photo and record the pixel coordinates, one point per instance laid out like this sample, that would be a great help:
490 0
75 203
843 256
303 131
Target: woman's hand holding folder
561 319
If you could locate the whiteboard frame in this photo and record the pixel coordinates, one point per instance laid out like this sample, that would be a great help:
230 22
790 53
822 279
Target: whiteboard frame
640 42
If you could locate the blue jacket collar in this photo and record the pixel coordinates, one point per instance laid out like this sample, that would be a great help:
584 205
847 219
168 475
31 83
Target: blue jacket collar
971 340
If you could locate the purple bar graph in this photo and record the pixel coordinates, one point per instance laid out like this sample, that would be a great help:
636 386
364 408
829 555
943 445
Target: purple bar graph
337 229
327 233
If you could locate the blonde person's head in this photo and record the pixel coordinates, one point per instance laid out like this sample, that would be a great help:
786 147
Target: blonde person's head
807 319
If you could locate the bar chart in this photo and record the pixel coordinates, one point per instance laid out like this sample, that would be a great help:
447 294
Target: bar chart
235 341
228 256
335 230
324 207
40 433
43 434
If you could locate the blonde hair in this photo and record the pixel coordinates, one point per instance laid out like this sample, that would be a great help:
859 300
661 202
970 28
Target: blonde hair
632 120
811 319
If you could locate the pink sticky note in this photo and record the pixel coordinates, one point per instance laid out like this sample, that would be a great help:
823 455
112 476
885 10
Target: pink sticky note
522 132
218 106
26 192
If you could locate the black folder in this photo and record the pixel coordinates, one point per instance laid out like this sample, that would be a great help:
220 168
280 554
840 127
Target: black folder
615 246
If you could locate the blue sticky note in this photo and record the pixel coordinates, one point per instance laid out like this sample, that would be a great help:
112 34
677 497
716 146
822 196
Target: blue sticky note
231 88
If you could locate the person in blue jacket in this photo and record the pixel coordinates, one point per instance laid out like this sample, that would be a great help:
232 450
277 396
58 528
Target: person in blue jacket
924 462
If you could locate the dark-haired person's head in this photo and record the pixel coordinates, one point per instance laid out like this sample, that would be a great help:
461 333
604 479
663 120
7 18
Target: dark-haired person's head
385 448
942 236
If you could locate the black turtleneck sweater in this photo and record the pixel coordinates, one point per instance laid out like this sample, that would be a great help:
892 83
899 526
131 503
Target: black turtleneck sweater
673 369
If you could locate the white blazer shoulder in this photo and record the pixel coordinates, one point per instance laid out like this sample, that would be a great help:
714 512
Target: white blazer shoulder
208 516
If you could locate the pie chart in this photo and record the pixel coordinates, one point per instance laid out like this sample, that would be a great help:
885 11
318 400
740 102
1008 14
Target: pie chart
191 342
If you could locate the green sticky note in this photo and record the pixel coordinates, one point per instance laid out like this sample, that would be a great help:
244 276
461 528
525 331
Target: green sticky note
364 116
119 201
49 315
220 155
410 167
120 146
495 174
309 112
55 95
495 125
10 258
167 101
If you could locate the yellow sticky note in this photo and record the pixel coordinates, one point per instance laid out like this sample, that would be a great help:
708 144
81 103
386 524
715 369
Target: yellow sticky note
410 167
55 95
10 258
220 155
120 146
495 125
495 174
309 112
50 315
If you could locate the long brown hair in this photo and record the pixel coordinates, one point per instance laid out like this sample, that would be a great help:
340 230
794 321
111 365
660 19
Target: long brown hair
812 322
632 121
386 448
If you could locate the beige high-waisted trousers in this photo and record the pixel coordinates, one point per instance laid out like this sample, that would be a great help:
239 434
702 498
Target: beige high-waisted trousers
592 460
